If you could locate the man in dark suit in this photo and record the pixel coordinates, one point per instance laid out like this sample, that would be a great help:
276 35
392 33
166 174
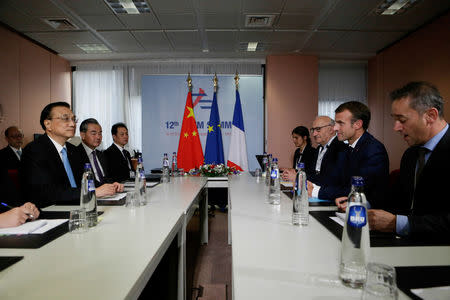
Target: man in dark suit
11 154
420 203
118 158
366 156
51 169
91 138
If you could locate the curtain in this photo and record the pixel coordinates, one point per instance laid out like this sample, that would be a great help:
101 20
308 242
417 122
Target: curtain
340 82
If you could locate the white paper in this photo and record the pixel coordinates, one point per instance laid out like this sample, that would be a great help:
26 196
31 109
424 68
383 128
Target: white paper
338 220
435 293
287 183
34 227
148 184
222 178
116 197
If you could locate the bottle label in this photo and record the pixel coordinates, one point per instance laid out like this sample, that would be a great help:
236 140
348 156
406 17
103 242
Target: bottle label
141 172
91 185
274 174
357 216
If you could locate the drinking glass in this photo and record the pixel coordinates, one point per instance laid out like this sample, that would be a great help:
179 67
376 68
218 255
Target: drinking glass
132 200
77 221
380 282
258 172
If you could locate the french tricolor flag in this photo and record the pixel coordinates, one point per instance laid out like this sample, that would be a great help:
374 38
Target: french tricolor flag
237 154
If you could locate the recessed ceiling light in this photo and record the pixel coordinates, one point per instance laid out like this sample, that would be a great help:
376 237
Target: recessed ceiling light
94 48
128 6
252 46
205 50
395 7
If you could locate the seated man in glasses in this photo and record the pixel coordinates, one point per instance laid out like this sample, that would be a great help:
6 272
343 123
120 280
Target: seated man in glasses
324 180
10 155
51 169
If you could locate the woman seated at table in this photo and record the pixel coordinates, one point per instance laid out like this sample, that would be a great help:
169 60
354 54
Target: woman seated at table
304 153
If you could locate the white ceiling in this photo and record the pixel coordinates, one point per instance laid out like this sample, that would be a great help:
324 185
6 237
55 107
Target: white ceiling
183 28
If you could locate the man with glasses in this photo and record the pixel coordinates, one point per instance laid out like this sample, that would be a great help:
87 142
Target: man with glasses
51 169
324 180
91 138
11 154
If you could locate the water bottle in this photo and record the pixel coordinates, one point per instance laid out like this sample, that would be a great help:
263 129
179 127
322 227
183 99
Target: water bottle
300 205
140 182
88 200
174 164
274 190
165 170
265 161
355 237
268 169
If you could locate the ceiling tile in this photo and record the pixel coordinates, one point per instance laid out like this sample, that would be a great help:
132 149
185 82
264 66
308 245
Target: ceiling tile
154 41
262 36
295 21
258 6
103 22
147 21
322 41
172 6
21 22
218 6
312 7
347 13
366 41
221 21
64 41
178 21
222 40
185 40
122 41
88 7
36 8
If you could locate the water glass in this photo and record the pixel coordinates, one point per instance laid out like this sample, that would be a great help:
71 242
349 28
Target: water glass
380 282
77 221
258 172
132 200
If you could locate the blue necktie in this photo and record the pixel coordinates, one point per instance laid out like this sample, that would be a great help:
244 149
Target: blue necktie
68 168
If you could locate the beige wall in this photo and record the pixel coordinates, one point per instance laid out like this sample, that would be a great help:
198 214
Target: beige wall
31 77
423 55
291 100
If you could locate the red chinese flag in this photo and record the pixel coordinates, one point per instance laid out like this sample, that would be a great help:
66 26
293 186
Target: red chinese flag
190 153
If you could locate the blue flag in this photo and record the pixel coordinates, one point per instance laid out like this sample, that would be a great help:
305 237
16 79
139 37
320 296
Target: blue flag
214 145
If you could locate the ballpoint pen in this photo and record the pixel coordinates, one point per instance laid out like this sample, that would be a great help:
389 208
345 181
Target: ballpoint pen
11 207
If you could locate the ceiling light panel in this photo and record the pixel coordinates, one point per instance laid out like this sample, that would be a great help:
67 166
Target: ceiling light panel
94 48
128 6
395 7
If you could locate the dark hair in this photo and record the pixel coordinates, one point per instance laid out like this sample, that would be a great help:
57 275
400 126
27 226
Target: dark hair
359 111
117 126
8 129
45 114
302 131
84 125
423 95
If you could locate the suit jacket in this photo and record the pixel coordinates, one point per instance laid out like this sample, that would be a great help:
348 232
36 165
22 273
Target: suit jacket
117 165
10 194
431 212
101 160
370 160
332 183
8 159
44 179
308 158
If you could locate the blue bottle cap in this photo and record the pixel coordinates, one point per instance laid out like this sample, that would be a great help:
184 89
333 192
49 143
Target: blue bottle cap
301 165
275 159
174 153
357 181
140 159
87 166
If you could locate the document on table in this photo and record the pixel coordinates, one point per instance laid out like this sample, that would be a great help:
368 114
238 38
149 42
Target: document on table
33 227
116 197
287 183
435 293
148 184
340 217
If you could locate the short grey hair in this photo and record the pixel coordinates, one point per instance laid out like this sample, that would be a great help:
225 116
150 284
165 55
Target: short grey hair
423 95
84 125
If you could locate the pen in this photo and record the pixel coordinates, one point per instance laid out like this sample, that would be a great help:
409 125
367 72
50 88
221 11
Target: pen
11 207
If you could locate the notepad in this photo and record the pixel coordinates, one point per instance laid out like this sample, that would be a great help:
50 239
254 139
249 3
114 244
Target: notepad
116 197
340 218
131 184
34 227
435 293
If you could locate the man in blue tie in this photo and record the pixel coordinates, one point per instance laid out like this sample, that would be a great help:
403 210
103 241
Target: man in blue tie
91 137
51 169
11 154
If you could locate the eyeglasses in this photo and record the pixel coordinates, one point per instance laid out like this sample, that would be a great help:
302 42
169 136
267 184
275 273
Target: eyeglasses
66 119
318 128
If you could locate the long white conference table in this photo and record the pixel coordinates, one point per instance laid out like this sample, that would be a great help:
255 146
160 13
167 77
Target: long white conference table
271 259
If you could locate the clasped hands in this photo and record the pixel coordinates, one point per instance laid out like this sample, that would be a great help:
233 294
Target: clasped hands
109 189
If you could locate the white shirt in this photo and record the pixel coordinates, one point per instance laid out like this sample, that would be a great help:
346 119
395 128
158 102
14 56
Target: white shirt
90 155
58 147
15 151
355 142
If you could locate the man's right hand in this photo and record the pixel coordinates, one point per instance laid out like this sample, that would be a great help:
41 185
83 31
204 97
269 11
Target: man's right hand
289 175
15 217
108 189
341 206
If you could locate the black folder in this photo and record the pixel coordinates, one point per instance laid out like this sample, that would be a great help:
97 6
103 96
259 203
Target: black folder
6 261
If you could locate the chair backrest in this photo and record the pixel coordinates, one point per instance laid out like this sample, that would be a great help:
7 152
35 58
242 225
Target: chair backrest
14 176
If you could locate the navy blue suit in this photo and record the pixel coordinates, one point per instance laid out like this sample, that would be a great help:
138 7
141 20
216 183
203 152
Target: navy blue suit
370 160
330 178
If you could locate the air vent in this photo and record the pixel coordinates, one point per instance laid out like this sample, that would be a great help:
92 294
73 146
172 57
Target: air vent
60 23
259 21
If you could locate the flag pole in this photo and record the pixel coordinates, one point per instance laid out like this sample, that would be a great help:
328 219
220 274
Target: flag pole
236 80
189 81
215 82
